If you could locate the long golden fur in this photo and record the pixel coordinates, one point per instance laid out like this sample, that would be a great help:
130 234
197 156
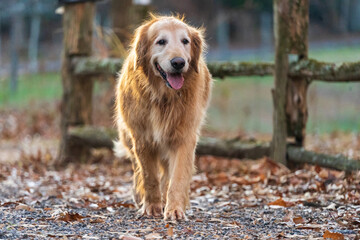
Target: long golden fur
159 111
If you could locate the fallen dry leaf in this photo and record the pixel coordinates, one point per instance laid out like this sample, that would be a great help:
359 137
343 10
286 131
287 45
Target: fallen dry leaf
243 181
21 206
9 203
153 236
220 178
71 217
170 231
280 202
97 220
337 174
121 204
333 235
298 220
130 238
324 173
310 226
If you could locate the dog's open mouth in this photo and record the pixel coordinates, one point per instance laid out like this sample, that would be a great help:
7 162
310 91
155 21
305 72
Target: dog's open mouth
173 80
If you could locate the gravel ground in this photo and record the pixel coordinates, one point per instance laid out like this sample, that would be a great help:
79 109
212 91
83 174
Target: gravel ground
230 199
209 222
206 222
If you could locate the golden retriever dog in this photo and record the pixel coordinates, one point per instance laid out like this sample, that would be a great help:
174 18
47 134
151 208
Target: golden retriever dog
162 95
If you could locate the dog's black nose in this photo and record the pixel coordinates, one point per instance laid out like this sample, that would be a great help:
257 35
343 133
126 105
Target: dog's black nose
177 63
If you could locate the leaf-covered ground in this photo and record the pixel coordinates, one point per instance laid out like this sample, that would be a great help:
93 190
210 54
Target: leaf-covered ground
230 198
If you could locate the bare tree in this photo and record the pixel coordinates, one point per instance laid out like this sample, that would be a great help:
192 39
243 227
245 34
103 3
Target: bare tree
16 41
34 36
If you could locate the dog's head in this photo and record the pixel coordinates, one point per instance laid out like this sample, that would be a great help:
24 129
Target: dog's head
169 48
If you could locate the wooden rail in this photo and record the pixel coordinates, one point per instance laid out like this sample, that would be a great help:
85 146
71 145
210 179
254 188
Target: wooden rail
339 162
92 137
327 72
310 69
99 66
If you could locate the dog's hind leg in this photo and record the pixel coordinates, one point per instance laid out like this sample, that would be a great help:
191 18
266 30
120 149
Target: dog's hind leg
138 185
124 148
164 182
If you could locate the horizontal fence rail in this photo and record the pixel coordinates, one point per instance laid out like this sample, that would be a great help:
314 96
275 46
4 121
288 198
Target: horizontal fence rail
224 69
97 66
100 137
309 69
328 72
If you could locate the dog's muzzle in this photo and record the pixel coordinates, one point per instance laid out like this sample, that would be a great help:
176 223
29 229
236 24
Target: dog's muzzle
173 80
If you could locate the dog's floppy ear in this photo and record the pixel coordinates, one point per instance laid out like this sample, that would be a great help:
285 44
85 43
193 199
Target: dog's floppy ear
140 46
197 46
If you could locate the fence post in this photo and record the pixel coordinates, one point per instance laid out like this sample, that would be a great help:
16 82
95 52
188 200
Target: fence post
296 105
278 144
76 107
289 96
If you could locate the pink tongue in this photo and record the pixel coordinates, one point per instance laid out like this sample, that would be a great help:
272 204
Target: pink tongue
176 80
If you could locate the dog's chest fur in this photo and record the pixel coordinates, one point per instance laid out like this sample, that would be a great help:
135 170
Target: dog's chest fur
169 119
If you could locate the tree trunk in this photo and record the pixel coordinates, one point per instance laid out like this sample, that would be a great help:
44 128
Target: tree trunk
266 31
34 37
0 39
344 16
15 45
223 34
354 16
121 19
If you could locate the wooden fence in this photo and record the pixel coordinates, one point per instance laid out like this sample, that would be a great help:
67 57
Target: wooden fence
292 79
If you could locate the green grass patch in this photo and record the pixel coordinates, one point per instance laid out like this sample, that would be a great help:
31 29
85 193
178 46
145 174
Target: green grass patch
338 55
245 104
32 89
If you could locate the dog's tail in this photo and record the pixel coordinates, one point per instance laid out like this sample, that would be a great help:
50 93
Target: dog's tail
119 150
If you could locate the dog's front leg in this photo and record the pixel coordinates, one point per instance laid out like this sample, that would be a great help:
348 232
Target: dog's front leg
149 167
181 169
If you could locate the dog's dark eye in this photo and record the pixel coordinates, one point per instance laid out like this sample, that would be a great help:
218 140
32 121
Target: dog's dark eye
185 41
161 42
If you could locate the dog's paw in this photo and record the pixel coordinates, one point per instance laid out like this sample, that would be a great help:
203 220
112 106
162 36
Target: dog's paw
175 213
153 209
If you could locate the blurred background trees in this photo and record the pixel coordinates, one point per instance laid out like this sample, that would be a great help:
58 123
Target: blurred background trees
231 24
31 43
